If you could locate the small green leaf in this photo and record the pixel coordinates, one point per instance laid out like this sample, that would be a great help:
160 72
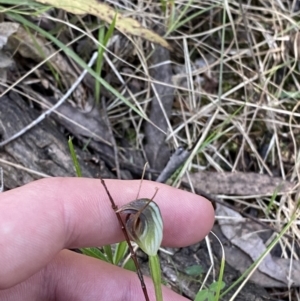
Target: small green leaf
194 270
211 297
130 266
108 253
202 295
215 285
94 252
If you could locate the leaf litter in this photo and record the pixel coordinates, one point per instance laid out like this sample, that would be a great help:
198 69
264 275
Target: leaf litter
243 233
37 48
274 271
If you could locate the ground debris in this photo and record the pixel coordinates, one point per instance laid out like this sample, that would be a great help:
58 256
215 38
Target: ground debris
239 183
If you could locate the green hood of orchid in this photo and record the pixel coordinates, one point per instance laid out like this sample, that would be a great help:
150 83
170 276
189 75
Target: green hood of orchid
144 224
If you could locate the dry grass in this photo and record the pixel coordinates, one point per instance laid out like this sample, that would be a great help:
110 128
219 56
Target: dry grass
236 81
251 108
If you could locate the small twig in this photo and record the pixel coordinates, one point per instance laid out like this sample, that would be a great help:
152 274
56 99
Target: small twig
133 255
28 170
48 112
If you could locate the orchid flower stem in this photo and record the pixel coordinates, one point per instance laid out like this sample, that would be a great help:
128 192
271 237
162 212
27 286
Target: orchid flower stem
156 276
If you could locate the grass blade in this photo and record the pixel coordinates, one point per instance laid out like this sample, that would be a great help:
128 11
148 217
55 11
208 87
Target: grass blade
120 252
108 252
94 252
74 158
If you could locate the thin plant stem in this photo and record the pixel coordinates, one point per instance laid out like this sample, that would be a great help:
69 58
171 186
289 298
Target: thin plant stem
133 255
156 276
144 170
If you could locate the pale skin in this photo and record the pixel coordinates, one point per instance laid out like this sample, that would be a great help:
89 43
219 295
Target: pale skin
39 221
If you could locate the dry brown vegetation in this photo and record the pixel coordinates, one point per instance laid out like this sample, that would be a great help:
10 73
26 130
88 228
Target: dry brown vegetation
227 93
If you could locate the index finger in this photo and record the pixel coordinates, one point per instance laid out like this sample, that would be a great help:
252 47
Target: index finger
42 218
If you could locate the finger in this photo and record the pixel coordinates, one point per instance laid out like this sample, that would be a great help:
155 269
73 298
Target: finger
41 218
75 277
102 280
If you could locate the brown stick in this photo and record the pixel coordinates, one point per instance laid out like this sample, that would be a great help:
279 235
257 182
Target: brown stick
133 255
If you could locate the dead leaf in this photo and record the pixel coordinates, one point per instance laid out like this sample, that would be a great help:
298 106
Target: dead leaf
240 261
106 13
6 30
38 48
238 183
273 271
5 61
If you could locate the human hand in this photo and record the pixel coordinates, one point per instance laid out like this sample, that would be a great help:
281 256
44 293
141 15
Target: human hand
40 220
